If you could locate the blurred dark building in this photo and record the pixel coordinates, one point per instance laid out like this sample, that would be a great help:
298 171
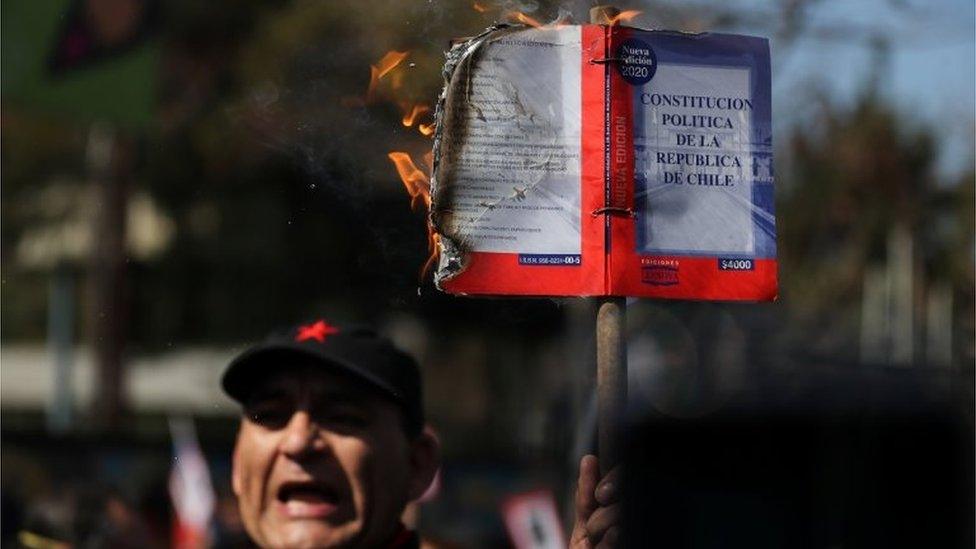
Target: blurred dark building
876 459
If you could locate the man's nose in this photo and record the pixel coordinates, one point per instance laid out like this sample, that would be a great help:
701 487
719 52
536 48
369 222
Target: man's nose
302 436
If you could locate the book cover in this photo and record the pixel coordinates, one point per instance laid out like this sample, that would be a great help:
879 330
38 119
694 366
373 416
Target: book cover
592 160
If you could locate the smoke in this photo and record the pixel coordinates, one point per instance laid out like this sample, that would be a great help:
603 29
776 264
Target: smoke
306 95
305 100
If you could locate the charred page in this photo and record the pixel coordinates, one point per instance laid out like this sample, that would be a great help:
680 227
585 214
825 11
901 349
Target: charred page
507 186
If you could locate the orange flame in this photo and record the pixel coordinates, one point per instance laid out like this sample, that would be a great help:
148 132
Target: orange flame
396 80
433 246
418 187
520 17
389 61
411 116
416 182
382 68
479 8
623 17
524 19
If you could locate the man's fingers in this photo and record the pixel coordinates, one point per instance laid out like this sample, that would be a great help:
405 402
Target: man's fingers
597 510
601 521
589 474
609 540
608 490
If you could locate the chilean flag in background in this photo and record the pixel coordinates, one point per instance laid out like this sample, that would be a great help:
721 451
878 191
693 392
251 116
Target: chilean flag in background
190 488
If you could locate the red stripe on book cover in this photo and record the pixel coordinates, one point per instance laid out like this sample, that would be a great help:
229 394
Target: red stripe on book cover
699 278
591 158
620 129
620 195
501 274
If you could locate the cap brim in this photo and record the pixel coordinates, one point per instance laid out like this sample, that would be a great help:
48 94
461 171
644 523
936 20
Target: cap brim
244 373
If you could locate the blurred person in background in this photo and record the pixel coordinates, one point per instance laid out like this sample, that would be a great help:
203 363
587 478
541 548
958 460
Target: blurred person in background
332 444
88 515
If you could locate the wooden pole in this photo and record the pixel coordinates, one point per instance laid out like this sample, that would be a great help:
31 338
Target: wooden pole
611 377
611 345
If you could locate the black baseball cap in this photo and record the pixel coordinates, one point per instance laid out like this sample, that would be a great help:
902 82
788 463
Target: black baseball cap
355 350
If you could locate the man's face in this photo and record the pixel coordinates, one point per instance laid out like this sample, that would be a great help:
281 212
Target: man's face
322 461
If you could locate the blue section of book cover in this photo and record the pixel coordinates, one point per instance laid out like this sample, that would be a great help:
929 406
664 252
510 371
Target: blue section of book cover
702 144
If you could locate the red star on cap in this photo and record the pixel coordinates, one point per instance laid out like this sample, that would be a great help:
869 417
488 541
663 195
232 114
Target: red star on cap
318 331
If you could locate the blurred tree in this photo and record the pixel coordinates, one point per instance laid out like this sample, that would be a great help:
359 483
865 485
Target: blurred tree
858 173
274 167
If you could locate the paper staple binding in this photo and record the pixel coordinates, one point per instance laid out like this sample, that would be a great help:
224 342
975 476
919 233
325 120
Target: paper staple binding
629 212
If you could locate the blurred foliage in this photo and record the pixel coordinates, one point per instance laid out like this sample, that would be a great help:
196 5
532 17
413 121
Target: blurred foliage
283 197
856 173
272 167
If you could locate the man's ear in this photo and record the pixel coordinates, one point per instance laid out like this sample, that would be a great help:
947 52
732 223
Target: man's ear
425 459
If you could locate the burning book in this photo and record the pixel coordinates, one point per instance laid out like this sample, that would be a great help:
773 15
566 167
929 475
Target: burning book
605 160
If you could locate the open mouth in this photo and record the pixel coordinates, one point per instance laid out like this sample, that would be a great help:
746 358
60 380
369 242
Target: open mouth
308 499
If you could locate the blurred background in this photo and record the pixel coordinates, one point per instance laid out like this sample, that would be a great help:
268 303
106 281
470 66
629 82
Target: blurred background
181 177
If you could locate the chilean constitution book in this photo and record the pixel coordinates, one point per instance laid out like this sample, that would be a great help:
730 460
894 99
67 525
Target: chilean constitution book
594 160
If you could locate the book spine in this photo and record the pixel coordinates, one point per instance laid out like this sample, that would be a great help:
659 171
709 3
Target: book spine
593 162
619 147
